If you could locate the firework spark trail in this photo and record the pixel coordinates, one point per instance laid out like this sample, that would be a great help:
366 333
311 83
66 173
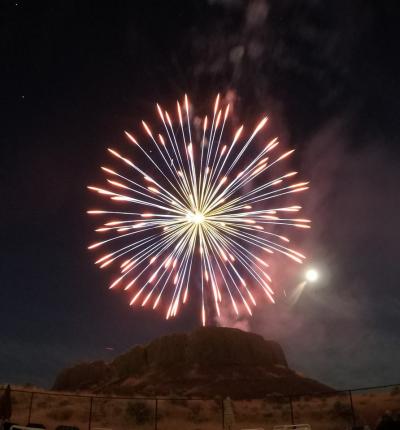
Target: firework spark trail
192 208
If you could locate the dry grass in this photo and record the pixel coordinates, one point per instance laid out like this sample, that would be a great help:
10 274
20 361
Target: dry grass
323 413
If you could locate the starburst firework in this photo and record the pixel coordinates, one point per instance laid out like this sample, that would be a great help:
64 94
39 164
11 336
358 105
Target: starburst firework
188 223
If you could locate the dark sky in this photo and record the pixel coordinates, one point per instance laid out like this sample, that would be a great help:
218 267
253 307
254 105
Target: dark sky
76 74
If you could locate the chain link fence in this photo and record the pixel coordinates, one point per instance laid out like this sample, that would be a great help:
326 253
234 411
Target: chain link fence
350 409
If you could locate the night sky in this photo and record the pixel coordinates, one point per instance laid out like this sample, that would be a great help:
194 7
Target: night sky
76 74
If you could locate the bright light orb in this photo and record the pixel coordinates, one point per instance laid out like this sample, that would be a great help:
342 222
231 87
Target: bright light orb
312 275
195 217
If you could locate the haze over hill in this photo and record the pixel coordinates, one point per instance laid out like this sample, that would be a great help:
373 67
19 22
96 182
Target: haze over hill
211 361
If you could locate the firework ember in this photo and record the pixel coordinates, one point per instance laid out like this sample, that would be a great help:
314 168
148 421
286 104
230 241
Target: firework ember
187 221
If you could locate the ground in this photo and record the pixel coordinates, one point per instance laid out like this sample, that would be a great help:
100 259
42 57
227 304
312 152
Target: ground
331 412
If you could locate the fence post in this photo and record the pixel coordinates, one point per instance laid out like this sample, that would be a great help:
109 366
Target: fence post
291 410
30 407
223 415
156 414
90 413
353 416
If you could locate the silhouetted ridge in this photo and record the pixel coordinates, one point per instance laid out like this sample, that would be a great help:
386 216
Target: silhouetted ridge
211 361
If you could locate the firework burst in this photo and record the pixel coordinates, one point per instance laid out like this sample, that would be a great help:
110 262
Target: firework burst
187 222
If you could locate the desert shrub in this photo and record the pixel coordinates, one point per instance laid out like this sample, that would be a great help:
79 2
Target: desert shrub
125 390
268 403
341 410
215 408
318 415
218 400
117 410
395 391
82 414
101 407
60 414
179 402
139 411
196 413
162 414
28 385
276 399
42 404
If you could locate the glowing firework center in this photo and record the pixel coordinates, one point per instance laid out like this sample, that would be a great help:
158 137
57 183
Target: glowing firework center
195 217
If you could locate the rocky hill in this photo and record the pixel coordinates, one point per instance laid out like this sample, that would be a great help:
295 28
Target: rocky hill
211 361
